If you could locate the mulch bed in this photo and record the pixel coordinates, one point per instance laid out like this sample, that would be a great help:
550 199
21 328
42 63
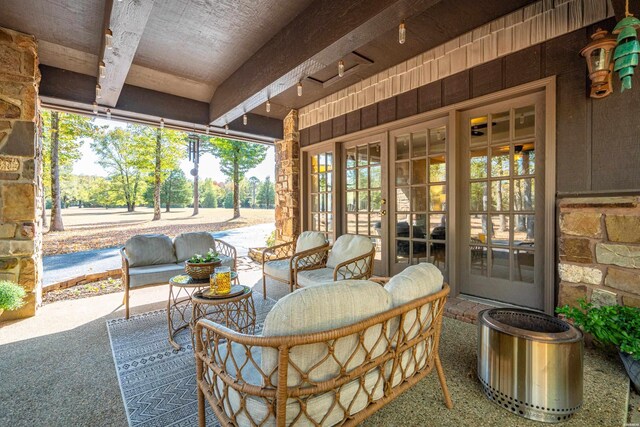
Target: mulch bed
101 287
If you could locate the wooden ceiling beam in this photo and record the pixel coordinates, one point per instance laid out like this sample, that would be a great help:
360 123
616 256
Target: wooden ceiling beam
322 34
126 20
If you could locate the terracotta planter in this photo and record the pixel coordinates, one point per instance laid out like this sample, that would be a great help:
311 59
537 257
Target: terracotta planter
201 270
633 369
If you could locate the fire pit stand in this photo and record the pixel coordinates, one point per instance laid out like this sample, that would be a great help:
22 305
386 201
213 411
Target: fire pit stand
530 363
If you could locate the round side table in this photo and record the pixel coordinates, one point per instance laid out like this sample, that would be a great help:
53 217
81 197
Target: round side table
237 312
181 290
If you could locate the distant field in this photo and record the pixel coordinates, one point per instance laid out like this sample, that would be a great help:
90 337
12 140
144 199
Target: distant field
93 228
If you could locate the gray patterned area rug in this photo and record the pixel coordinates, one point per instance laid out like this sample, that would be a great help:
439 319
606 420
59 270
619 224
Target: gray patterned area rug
158 383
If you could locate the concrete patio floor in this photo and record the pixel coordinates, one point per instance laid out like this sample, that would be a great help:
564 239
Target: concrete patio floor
57 370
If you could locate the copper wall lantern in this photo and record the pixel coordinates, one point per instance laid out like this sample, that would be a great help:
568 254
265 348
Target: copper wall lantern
598 55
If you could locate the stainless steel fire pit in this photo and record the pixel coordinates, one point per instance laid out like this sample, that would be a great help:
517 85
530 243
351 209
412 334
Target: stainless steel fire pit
530 363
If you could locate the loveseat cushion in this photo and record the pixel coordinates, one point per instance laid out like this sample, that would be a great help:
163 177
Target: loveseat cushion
153 274
310 240
316 277
322 308
150 249
280 269
189 244
346 247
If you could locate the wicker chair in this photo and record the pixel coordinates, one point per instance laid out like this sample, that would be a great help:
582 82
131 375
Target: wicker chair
278 261
346 351
350 257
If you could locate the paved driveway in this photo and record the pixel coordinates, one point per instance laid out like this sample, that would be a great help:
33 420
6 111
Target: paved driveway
62 267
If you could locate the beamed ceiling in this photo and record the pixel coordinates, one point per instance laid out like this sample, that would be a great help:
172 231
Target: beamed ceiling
209 61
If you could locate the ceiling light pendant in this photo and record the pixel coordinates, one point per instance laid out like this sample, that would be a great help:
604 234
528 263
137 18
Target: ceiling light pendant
95 108
341 68
268 106
161 123
102 67
402 33
98 91
108 114
108 38
244 119
207 129
226 129
299 88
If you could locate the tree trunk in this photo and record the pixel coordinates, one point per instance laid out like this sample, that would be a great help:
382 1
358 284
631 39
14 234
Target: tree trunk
196 193
236 189
156 189
44 210
56 208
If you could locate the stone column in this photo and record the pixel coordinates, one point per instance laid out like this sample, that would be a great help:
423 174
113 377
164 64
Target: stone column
287 181
20 169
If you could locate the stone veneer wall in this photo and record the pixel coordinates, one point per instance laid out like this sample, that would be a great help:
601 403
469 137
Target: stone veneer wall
600 250
287 180
20 169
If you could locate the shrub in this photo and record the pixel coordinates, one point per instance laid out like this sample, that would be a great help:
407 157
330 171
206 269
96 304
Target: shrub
11 295
271 239
611 325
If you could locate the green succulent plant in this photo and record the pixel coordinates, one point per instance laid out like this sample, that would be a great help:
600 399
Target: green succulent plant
11 295
610 325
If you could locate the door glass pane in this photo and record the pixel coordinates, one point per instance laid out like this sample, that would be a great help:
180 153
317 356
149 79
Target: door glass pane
375 177
500 263
437 140
323 222
314 164
363 224
499 231
402 225
500 161
362 156
478 164
524 230
376 201
402 147
419 251
351 179
329 222
314 203
402 199
351 201
419 171
315 221
363 178
437 169
478 257
351 224
478 229
374 154
419 144
402 173
419 199
322 178
478 197
377 243
351 157
329 157
314 183
525 122
402 251
524 266
419 226
524 159
524 194
499 127
500 196
437 198
437 227
478 130
363 201
323 202
438 254
375 222
329 205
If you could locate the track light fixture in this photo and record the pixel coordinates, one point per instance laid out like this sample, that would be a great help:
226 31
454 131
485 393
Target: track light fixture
299 88
98 91
402 33
244 119
341 68
108 38
268 106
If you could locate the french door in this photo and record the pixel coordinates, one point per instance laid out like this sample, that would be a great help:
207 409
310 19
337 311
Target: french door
419 195
501 199
365 194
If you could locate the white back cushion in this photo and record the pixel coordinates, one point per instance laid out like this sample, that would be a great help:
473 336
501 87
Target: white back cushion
322 308
346 247
310 240
189 244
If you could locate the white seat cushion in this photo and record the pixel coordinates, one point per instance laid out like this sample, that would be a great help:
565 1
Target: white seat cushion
153 274
310 240
149 249
279 269
227 261
316 277
189 244
346 247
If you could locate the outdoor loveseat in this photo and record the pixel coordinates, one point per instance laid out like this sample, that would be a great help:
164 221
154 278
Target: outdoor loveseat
329 354
152 259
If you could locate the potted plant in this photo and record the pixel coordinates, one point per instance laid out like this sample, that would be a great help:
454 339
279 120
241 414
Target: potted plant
201 266
11 296
614 326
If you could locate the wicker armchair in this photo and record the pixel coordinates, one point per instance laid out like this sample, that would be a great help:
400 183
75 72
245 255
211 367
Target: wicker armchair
350 257
278 261
321 376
